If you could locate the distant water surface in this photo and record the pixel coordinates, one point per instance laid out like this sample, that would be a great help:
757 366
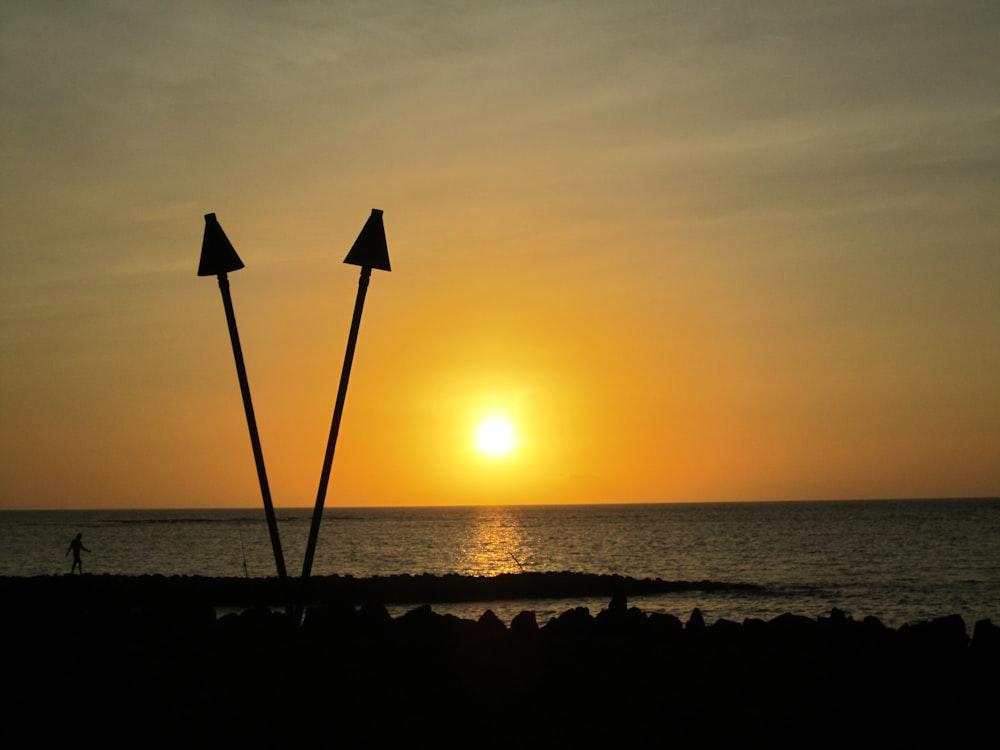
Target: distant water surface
900 561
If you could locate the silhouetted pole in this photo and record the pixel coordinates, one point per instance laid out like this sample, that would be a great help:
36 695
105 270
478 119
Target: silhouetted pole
369 251
218 257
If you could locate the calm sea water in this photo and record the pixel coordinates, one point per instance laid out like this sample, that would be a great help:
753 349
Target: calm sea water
900 561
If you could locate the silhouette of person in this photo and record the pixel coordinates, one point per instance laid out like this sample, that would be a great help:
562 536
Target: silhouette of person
76 546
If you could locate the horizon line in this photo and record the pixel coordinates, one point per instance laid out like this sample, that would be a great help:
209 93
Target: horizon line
942 498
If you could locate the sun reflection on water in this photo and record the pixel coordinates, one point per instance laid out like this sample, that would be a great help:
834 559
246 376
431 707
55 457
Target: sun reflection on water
496 544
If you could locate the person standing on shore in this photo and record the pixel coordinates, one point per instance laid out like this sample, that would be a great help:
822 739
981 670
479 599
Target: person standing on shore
76 546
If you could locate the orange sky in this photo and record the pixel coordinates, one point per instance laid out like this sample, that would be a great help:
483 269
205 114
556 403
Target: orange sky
693 250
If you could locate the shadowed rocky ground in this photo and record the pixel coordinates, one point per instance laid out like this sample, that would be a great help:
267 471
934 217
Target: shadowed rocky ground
132 660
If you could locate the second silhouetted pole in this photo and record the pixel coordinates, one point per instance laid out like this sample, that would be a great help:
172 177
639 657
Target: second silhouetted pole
369 251
218 258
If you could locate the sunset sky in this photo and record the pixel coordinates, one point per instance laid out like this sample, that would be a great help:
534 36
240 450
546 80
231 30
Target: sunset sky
690 251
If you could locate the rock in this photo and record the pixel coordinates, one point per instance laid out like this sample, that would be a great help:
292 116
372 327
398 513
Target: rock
524 626
940 636
986 639
696 621
492 625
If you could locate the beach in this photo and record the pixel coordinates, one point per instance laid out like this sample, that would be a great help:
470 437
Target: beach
114 658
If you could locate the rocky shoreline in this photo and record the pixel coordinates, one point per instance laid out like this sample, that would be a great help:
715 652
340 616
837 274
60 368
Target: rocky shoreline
396 589
117 656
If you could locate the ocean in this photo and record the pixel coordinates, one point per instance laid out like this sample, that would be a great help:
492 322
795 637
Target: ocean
898 560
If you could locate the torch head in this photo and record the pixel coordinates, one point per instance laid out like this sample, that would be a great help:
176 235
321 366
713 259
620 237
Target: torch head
369 249
218 256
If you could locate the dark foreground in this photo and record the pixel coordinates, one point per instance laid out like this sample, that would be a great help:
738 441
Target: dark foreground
137 661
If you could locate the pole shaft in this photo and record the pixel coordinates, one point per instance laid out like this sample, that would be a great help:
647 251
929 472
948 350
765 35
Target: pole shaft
258 454
338 411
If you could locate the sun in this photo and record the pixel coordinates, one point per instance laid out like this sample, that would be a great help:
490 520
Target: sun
495 436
